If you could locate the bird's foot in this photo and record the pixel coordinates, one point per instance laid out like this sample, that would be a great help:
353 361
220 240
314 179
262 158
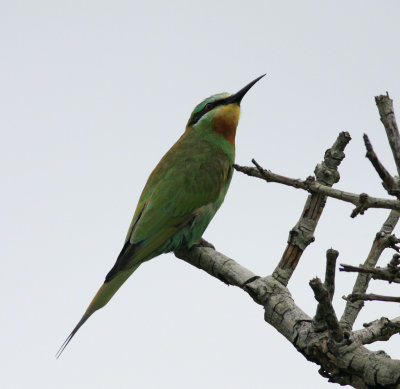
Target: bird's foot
204 243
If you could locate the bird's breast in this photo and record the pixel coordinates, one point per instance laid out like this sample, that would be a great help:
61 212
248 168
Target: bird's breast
226 120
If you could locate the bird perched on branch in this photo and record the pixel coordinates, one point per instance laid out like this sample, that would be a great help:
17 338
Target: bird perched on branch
182 194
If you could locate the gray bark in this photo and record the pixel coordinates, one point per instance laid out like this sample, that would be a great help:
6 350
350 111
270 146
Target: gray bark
347 362
323 339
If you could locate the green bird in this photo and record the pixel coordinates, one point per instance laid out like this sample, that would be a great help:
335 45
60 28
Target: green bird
182 194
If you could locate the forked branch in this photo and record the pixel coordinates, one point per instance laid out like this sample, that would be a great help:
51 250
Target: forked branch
325 340
362 201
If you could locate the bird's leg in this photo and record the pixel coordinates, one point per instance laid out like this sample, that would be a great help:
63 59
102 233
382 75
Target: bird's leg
204 243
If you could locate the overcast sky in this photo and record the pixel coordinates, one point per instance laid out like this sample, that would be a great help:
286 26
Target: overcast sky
92 94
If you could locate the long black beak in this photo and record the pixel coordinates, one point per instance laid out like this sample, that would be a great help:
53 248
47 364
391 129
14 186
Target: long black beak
237 97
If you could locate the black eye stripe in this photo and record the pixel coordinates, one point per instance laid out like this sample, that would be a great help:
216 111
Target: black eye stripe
207 108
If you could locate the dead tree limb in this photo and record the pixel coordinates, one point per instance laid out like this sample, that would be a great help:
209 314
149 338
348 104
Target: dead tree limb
362 201
379 330
325 340
302 234
346 362
371 297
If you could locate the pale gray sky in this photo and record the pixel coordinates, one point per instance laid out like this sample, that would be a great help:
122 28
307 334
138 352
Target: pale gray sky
92 94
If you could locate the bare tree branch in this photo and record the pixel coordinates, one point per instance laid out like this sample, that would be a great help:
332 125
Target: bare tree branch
331 256
385 107
331 344
388 181
361 201
327 313
379 330
346 363
390 273
217 265
302 233
381 242
329 283
386 112
371 297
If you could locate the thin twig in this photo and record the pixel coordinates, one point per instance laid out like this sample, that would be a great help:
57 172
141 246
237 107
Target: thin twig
382 240
388 181
362 201
371 297
377 273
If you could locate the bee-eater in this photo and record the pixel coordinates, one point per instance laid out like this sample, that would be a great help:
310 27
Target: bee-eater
182 194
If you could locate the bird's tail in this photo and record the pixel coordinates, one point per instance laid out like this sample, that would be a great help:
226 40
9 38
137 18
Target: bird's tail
102 297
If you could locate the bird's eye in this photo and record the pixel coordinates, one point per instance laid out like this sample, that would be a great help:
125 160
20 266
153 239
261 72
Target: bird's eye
208 106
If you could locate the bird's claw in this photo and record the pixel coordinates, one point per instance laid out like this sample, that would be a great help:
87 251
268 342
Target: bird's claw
204 243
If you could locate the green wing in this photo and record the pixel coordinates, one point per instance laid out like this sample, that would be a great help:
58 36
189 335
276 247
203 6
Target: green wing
192 176
177 190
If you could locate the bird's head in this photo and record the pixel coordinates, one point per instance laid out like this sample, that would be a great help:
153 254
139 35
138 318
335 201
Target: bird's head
219 113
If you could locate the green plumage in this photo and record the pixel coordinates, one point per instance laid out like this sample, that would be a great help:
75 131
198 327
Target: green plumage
180 198
182 194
